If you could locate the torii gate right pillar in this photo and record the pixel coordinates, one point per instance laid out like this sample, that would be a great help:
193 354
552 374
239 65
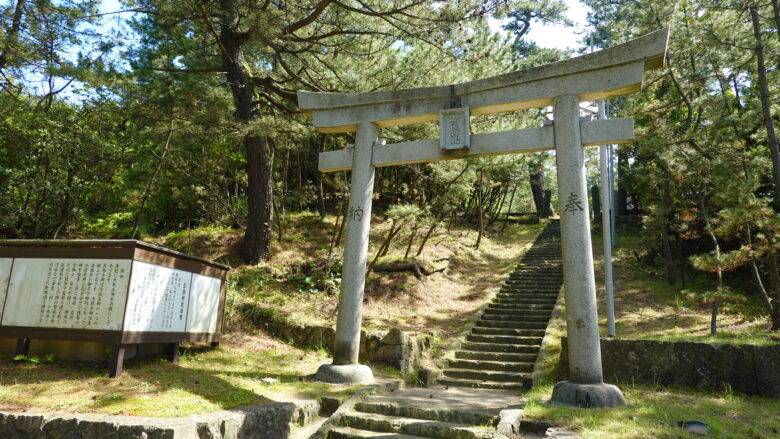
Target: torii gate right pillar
586 387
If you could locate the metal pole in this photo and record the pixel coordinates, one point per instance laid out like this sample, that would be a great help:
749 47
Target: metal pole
612 193
607 225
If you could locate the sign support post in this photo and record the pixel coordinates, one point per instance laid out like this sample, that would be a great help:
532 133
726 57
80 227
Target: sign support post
607 225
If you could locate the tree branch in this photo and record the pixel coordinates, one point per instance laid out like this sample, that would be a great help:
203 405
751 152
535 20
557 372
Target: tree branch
174 70
309 19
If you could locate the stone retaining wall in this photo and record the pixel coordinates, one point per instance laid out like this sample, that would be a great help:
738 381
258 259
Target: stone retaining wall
396 348
751 369
266 421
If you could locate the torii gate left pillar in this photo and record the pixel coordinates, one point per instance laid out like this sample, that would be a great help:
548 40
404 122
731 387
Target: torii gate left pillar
612 72
345 367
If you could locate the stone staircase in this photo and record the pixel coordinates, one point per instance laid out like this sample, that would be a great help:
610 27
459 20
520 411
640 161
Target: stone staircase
496 359
424 413
501 349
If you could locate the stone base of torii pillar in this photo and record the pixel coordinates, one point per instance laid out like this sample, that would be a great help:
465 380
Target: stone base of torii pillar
586 388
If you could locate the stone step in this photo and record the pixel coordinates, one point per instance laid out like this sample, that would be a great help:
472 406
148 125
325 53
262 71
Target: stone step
410 426
541 267
455 382
513 292
531 300
549 260
514 287
518 293
516 324
500 348
541 254
551 279
354 433
530 287
538 270
533 284
521 306
516 332
504 339
414 409
520 317
482 365
512 312
519 298
486 375
495 356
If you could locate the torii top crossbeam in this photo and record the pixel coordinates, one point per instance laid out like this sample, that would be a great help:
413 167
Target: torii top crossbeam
616 71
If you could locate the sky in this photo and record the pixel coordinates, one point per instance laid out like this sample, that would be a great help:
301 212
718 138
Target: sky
553 36
562 37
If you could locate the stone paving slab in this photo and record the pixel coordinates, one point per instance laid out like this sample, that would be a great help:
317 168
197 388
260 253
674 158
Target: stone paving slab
454 398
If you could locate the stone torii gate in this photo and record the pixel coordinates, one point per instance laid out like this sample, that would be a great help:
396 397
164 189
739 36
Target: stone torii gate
616 71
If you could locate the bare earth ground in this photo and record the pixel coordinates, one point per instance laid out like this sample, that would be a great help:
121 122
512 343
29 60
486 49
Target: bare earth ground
441 302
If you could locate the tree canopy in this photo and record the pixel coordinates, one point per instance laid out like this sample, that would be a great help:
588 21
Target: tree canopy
155 116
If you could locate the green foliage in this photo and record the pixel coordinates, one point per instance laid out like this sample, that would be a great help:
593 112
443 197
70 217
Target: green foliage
720 294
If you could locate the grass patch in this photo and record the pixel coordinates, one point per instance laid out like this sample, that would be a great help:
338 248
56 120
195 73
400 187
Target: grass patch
647 307
204 380
653 411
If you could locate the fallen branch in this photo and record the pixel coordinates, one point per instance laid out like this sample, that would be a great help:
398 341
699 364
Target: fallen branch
419 268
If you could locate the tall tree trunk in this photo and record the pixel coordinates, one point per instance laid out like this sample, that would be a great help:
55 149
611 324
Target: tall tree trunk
498 209
766 108
665 243
150 185
595 202
257 238
774 281
411 241
300 181
716 302
776 16
283 201
622 195
12 34
548 203
538 192
426 237
315 147
509 210
480 213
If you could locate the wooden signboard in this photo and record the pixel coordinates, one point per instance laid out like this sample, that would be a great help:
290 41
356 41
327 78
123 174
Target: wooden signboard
113 291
